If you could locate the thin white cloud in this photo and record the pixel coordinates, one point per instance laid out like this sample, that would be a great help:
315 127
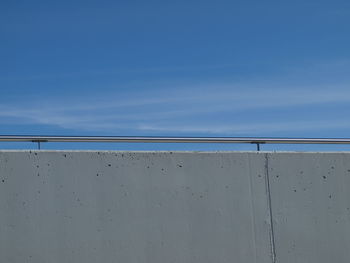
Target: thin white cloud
160 111
250 128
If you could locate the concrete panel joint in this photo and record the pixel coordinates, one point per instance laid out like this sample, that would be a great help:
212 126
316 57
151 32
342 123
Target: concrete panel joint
269 204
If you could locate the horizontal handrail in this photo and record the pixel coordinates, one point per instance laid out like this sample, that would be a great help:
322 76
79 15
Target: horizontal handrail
154 139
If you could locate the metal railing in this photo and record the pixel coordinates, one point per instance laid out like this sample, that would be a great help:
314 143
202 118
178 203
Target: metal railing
152 139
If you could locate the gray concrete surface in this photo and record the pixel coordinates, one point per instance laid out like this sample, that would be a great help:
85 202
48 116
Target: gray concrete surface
87 206
311 206
133 207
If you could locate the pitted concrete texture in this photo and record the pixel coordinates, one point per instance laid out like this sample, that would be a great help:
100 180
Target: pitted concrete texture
88 206
133 207
311 206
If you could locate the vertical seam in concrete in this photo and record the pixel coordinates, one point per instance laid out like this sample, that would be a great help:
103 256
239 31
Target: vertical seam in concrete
268 192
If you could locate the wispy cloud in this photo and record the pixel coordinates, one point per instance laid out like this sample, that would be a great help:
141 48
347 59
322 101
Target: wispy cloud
251 128
190 109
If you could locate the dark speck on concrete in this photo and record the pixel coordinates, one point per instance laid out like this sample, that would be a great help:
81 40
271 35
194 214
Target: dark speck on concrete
109 165
3 180
37 166
277 176
148 167
324 177
295 190
179 165
65 155
38 174
330 196
332 167
97 174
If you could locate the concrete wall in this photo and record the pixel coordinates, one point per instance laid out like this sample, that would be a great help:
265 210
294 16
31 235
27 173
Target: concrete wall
310 196
174 207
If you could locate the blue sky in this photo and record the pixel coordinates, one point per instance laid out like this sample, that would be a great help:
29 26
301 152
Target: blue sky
175 68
